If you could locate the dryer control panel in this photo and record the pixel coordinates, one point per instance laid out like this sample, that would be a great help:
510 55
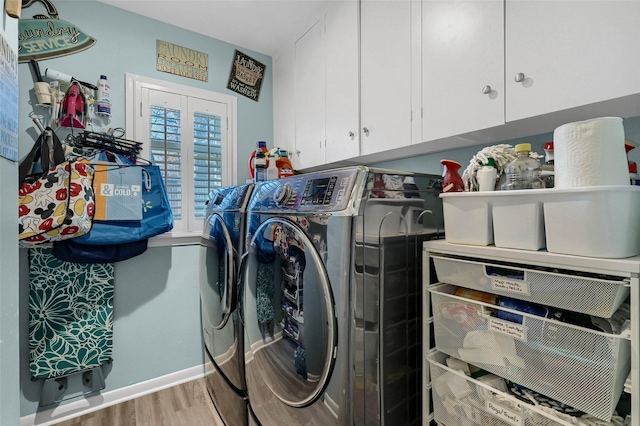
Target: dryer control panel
327 191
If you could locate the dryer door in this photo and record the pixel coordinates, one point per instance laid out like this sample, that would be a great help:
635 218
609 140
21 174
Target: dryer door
290 323
218 299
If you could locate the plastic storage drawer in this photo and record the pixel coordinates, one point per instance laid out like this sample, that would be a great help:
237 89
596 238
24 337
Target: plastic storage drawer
582 368
591 295
459 400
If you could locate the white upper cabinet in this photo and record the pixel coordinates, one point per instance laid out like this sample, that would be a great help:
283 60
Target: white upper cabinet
462 66
385 75
569 53
342 94
309 98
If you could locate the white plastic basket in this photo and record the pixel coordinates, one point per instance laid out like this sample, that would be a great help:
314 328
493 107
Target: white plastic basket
582 368
597 221
518 220
462 400
591 295
467 218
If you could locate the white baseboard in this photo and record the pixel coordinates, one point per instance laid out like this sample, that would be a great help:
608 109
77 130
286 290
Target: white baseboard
97 402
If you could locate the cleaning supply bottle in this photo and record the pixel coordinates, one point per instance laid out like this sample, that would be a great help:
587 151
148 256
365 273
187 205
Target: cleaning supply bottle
452 181
262 146
523 172
103 103
260 166
285 169
272 168
486 176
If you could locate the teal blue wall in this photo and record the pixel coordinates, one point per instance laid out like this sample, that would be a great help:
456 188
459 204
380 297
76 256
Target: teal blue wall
156 309
9 302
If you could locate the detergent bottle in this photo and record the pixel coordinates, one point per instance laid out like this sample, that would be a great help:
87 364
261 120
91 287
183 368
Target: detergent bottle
262 146
285 169
102 99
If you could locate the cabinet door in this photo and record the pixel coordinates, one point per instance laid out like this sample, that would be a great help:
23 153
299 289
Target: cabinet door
463 66
341 112
570 53
309 98
385 75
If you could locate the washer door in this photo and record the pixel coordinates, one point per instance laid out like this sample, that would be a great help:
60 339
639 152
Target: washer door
218 292
289 317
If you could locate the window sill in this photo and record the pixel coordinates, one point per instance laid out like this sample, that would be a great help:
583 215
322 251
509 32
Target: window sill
175 239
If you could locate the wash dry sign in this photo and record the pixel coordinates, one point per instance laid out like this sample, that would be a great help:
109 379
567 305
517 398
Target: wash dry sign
182 61
246 76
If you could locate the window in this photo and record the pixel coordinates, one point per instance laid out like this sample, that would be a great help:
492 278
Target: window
190 133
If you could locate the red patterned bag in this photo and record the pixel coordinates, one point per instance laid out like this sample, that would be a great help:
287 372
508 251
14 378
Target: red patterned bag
55 205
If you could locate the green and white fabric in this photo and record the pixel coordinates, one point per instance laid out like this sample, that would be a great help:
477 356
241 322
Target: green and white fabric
70 314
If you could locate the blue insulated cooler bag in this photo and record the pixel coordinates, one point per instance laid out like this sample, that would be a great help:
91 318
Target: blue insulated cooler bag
157 217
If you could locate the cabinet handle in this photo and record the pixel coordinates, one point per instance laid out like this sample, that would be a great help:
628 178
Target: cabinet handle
520 77
487 89
365 131
351 135
297 152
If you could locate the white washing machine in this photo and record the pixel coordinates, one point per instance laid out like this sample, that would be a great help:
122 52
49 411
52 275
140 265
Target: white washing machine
331 296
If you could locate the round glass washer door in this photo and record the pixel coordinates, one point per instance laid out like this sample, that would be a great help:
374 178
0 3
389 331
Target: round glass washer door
219 294
288 313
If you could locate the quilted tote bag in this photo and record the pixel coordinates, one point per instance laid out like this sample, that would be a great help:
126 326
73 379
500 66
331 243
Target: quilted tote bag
70 314
56 204
157 217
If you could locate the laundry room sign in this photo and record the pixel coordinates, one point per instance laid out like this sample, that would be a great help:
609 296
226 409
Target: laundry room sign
8 101
46 37
246 76
182 61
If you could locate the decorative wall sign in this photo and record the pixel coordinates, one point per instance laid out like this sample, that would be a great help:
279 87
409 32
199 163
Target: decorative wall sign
49 37
8 101
246 76
179 60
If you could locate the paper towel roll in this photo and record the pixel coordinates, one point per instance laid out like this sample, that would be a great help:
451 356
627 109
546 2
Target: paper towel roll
590 153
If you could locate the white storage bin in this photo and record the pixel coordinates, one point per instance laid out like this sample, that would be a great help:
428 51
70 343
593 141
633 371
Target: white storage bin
462 400
597 221
518 220
582 368
591 295
467 218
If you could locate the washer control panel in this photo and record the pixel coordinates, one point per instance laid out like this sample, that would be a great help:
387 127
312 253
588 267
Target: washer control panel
320 192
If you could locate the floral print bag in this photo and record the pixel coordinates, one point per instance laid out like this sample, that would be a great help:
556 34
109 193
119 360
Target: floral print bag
57 204
70 314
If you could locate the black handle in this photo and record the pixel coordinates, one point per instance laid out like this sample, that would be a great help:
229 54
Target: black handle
36 70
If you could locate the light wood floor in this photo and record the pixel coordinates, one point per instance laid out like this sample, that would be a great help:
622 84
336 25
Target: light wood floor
184 405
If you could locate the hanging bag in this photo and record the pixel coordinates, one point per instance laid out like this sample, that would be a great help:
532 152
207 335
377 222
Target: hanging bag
157 217
57 202
117 187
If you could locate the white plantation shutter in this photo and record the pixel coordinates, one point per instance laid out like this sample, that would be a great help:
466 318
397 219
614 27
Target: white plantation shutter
165 140
207 167
190 137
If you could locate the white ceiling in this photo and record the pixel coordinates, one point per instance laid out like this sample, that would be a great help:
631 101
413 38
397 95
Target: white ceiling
259 25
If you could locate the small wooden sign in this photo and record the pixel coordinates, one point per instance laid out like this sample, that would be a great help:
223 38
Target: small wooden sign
182 61
246 76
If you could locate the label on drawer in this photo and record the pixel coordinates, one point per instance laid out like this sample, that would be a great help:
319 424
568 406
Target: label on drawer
503 414
513 286
511 329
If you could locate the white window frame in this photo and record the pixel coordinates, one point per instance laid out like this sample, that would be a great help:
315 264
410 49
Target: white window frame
134 85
